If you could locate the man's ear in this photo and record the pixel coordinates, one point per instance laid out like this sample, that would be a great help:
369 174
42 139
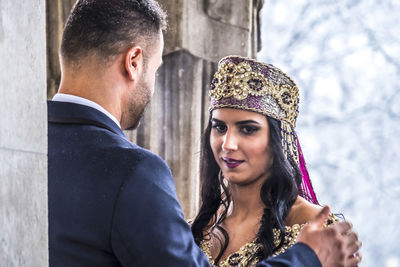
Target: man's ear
134 62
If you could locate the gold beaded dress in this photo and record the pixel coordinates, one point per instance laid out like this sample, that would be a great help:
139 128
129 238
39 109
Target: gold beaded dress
245 256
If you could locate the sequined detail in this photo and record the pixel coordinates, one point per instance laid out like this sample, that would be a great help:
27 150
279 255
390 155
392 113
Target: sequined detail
291 233
289 141
245 256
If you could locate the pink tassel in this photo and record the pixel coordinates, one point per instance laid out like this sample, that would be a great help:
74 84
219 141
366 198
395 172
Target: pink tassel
306 188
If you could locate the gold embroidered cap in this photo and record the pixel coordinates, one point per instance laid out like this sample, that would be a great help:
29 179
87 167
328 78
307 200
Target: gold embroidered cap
247 84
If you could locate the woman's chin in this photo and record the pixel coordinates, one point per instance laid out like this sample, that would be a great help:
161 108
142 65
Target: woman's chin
235 179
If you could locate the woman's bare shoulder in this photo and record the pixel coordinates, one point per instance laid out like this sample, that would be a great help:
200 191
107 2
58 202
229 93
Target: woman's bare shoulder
302 211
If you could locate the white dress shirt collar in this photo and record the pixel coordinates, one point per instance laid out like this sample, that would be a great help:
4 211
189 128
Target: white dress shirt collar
83 101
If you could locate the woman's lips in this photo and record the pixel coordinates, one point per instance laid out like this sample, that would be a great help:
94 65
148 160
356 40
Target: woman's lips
232 163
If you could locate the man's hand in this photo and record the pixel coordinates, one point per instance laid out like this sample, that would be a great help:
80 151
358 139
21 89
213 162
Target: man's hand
336 245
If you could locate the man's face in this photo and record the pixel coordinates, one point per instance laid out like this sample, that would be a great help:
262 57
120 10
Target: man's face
141 95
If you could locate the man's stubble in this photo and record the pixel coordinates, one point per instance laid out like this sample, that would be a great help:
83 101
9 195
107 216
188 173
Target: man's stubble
137 104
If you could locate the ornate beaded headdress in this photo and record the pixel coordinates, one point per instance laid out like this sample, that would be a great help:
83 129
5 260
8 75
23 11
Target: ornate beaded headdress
246 84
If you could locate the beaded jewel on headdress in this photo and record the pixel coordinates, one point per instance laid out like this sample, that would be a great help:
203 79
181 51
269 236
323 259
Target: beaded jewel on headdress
243 83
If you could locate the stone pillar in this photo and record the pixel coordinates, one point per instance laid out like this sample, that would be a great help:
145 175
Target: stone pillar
200 33
23 134
56 16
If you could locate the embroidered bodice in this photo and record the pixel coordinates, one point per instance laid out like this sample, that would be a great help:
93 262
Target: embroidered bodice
245 256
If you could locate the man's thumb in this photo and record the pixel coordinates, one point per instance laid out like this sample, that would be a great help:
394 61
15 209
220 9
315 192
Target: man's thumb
320 219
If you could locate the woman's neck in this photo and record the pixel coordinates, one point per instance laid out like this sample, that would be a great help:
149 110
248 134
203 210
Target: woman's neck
246 202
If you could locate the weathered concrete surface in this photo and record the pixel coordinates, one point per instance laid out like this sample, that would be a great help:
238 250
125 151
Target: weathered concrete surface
23 134
23 212
211 29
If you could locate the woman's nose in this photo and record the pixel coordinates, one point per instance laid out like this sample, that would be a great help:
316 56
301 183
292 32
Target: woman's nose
230 142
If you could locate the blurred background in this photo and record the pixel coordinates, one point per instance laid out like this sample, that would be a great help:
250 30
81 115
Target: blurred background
345 58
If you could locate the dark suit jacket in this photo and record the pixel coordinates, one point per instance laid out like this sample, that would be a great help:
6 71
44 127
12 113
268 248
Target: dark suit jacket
113 203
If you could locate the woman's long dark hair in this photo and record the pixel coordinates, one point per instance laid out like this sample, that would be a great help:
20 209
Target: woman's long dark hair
278 193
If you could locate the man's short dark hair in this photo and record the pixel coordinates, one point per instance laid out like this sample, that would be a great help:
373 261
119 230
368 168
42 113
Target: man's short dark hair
109 27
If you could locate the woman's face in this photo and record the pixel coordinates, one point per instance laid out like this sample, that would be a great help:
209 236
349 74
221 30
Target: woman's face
240 143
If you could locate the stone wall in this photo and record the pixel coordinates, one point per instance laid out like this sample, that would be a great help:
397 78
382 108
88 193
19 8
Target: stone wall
23 134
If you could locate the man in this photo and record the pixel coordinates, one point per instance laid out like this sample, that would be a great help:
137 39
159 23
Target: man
112 203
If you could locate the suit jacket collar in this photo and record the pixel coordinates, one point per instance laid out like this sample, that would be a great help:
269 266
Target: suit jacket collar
71 113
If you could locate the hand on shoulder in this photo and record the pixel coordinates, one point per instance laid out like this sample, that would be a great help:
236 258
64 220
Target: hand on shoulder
335 245
302 212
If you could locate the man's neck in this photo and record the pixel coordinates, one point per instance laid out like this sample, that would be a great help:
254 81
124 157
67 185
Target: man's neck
98 84
113 107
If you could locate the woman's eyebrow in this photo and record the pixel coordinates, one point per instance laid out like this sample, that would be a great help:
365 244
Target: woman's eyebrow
237 123
216 120
246 122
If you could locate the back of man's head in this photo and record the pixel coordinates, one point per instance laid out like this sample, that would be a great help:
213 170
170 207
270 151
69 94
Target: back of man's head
106 28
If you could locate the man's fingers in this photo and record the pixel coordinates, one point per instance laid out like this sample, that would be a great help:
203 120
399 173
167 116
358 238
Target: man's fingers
351 237
354 247
320 219
342 227
353 261
353 244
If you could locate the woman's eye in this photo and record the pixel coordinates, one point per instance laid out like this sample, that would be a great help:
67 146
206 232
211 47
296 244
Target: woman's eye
249 129
220 128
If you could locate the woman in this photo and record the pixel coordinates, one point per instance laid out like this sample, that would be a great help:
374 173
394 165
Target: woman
255 185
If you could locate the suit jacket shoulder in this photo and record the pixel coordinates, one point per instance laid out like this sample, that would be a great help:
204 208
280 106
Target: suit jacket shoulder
299 255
